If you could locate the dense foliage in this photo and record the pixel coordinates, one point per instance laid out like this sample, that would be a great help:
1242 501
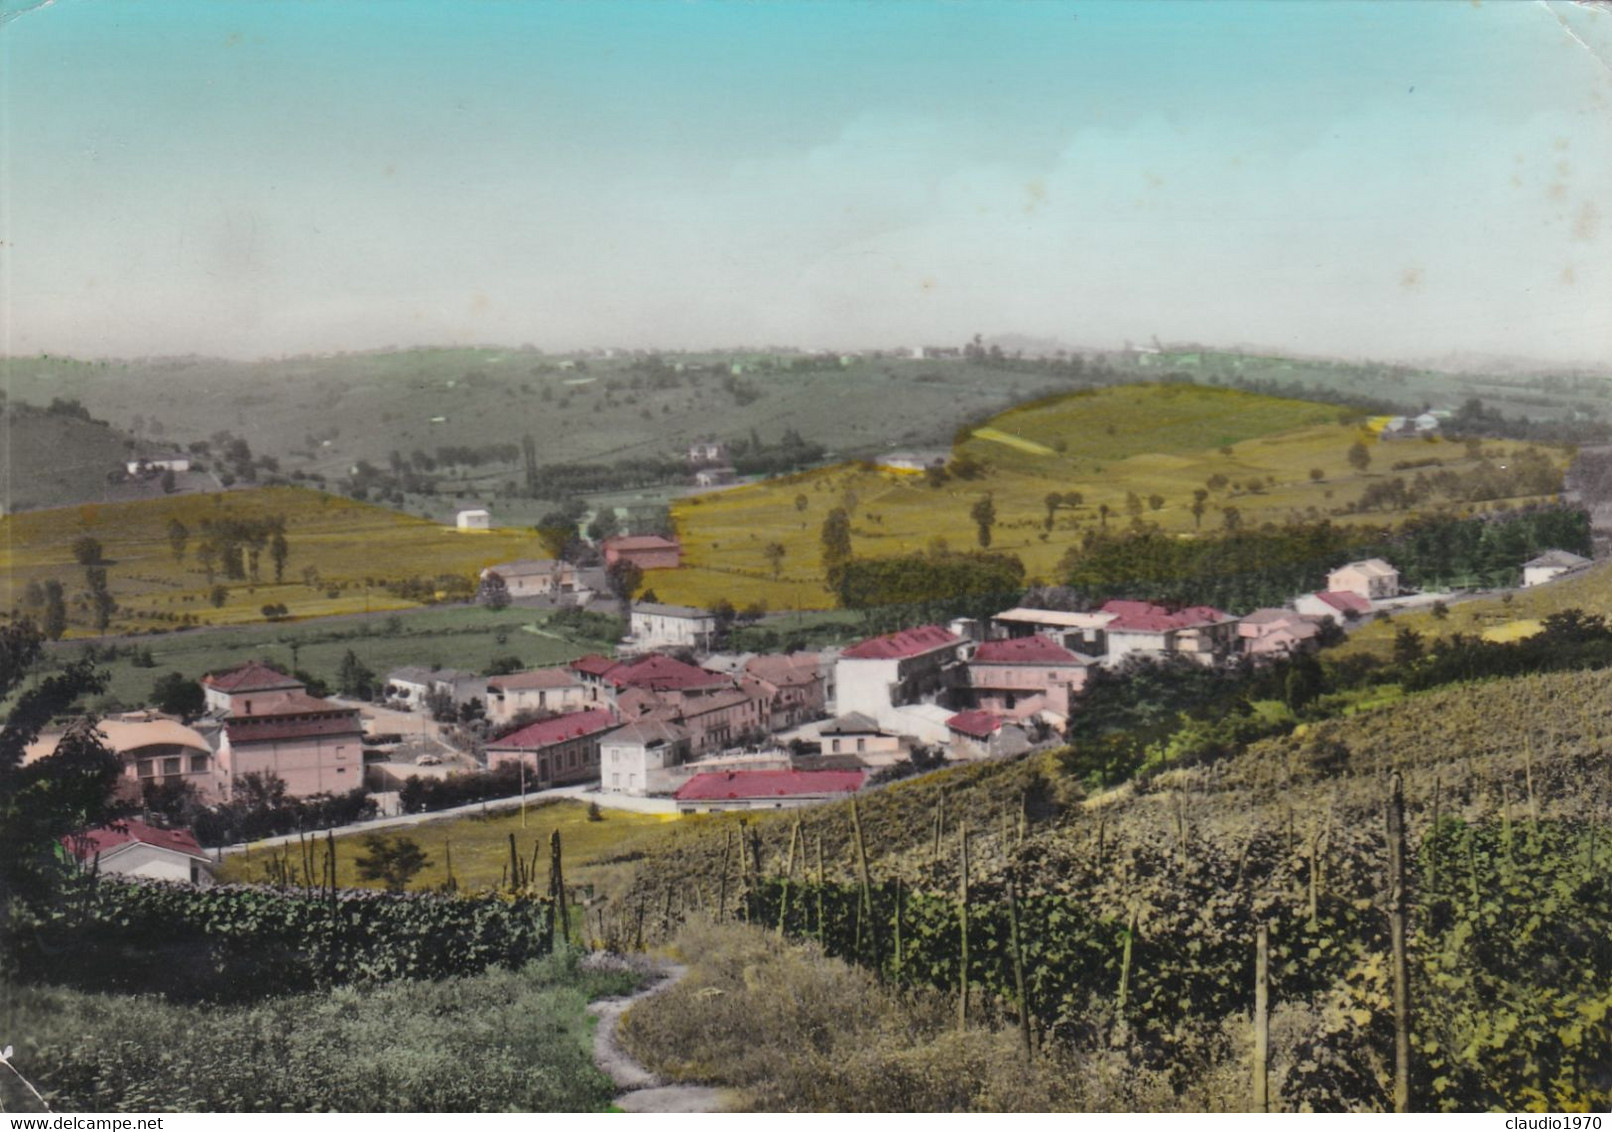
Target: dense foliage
917 589
422 795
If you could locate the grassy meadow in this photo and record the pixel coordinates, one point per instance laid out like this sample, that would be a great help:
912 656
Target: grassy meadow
341 556
596 852
1121 447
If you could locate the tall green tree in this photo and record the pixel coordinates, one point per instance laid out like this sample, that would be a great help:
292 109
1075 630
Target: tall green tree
394 863
984 515
178 538
355 679
836 541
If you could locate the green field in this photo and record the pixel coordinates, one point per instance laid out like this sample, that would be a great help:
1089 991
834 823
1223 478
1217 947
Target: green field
1120 447
353 550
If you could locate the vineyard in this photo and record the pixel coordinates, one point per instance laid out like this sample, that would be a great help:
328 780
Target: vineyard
1133 921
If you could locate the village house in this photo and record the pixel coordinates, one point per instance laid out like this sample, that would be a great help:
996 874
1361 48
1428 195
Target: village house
153 749
475 519
715 709
238 690
907 667
705 453
1273 633
415 686
1372 579
719 476
1339 605
647 552
1085 633
765 789
1026 676
534 577
173 464
312 745
540 689
1198 632
985 735
794 685
133 848
656 626
557 751
1552 565
856 734
634 759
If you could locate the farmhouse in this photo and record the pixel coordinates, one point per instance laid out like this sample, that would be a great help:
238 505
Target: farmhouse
1027 676
794 686
314 746
656 626
647 552
1340 605
1272 633
133 848
156 467
907 667
236 691
1371 578
1084 632
985 734
856 734
556 751
765 789
476 519
541 689
633 759
707 453
1552 565
534 577
1197 632
415 686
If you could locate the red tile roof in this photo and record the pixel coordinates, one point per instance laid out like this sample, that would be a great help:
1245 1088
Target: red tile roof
1344 601
593 664
640 542
305 718
660 673
906 643
979 724
547 732
107 838
1145 617
1026 650
249 677
536 678
737 784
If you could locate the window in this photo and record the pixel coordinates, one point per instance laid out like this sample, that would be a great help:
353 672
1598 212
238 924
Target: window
861 745
836 747
172 766
147 768
248 708
198 764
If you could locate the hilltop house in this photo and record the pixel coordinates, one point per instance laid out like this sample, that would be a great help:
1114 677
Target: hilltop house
633 759
534 577
1552 565
1027 676
657 626
1372 579
540 689
173 464
717 476
312 745
556 751
907 667
911 462
647 552
765 789
1198 632
133 848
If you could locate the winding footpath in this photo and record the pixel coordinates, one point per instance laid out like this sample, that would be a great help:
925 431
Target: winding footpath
643 1091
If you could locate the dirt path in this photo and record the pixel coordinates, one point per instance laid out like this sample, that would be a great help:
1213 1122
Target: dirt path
644 1092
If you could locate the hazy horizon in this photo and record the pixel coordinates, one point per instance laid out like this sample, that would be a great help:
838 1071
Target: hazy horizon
256 180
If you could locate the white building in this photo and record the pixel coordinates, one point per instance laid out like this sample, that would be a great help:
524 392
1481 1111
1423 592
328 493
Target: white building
1552 565
656 626
140 850
535 577
147 467
634 759
1372 578
477 519
910 667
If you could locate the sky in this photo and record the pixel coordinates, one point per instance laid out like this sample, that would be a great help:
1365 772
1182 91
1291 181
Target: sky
256 178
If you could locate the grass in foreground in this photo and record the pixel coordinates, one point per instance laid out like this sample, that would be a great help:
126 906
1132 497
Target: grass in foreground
498 1041
795 1031
480 846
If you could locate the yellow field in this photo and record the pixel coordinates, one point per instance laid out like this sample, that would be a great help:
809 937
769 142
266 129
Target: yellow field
479 847
1164 441
355 548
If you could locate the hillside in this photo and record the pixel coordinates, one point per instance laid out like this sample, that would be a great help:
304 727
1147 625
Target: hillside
48 459
342 557
1133 453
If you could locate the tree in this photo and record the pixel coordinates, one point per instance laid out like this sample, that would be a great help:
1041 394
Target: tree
1053 501
494 593
86 551
207 556
178 537
59 796
102 605
1305 682
1231 518
1407 646
168 484
1200 498
278 553
218 595
984 515
1133 505
394 863
1317 475
624 577
1440 611
801 502
1359 456
774 554
1103 512
604 525
836 540
174 695
724 616
354 679
54 620
1155 502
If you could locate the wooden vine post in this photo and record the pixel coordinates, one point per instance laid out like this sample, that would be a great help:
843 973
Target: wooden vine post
562 916
1016 941
1262 1018
820 934
962 931
789 873
1396 933
722 882
866 882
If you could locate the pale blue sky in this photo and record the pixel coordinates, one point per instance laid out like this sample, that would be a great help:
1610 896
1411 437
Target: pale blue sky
254 178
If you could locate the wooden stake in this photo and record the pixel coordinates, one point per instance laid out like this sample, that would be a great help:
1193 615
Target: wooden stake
1262 1032
1396 931
722 885
962 928
1015 940
789 873
867 885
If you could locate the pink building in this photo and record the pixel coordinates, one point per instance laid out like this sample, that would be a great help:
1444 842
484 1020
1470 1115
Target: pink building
1272 633
793 684
647 552
1198 632
1024 676
314 746
556 751
247 688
